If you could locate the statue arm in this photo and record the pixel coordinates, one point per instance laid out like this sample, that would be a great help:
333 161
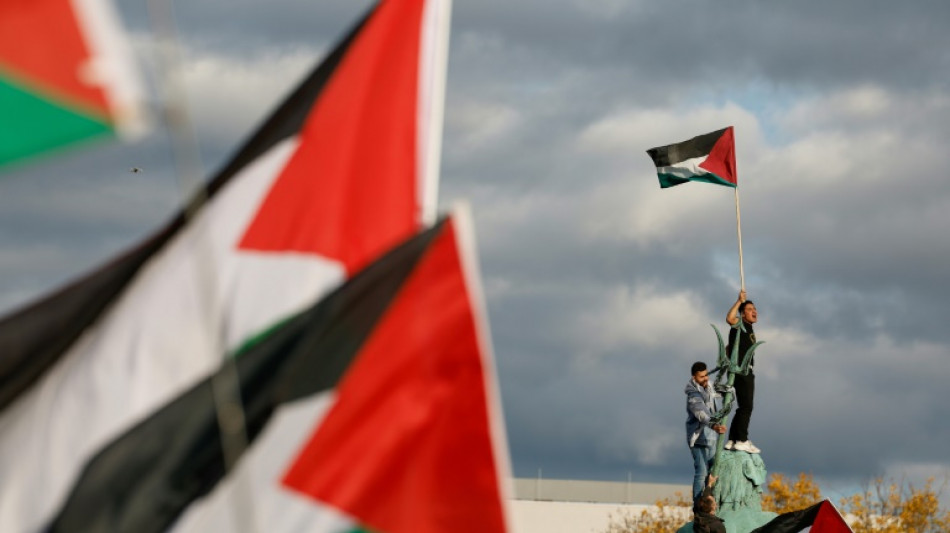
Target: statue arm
744 370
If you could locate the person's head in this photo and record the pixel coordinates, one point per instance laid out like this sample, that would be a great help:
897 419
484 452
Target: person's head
700 374
748 312
707 504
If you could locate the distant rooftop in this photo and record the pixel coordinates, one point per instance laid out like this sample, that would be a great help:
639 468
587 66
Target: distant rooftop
563 490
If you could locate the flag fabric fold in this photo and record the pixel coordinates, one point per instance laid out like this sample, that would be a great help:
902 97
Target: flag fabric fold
293 214
66 75
822 517
400 439
709 158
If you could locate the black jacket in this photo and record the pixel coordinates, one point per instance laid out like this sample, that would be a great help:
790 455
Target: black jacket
705 522
708 523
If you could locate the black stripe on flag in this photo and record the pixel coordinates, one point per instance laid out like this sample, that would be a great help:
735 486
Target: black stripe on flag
145 479
33 339
791 522
700 146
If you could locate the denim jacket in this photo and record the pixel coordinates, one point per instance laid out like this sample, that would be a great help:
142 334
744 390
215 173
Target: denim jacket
700 407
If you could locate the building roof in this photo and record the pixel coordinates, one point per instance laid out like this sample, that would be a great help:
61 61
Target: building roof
564 490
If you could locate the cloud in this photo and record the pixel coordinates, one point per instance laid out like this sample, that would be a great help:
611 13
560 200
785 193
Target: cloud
230 95
644 317
477 125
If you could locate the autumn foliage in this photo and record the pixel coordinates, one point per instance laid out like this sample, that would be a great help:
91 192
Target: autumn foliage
670 514
883 507
889 507
782 496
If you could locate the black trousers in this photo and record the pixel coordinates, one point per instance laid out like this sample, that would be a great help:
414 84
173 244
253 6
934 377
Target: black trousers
745 392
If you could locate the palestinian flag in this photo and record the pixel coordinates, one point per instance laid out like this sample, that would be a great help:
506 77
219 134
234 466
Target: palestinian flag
335 177
66 75
822 517
373 410
710 158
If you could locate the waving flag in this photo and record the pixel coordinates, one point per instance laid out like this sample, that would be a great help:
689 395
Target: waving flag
710 158
66 75
341 172
371 411
822 517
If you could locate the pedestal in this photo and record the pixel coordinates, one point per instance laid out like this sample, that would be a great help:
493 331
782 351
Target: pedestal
738 492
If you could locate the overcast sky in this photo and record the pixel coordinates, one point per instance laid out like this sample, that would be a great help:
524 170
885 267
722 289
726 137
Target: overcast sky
600 285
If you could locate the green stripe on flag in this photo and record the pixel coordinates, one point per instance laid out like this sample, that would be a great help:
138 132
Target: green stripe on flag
670 180
32 124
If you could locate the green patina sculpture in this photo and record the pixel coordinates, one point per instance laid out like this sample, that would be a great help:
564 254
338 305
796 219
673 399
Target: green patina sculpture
738 493
741 483
728 366
740 475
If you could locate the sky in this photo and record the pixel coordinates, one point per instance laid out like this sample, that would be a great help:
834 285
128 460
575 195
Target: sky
600 286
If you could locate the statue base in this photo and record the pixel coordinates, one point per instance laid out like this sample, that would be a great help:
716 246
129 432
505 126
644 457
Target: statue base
738 492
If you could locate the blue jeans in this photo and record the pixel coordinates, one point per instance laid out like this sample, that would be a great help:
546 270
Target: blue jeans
702 462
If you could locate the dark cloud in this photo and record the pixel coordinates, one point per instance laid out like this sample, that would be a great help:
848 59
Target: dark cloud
242 28
809 43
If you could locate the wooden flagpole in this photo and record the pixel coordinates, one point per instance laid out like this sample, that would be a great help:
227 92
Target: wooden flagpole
739 234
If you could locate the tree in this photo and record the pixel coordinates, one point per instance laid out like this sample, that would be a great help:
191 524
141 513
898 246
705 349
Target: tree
883 507
896 507
781 496
669 515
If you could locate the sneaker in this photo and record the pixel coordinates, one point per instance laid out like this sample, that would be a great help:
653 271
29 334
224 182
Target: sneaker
729 445
746 446
742 446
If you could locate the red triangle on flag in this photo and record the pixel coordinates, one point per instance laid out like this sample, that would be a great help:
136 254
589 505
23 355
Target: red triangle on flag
351 190
721 160
407 447
829 520
42 46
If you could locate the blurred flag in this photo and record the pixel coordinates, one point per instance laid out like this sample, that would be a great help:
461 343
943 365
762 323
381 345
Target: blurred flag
335 177
372 411
710 158
66 75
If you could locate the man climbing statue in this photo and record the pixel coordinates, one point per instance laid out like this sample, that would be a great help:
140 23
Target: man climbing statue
701 430
704 514
741 316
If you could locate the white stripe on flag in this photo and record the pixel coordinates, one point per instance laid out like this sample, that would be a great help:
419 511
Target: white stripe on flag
112 66
686 169
158 339
276 509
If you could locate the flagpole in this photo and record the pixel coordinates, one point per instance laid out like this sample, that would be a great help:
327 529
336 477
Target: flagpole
436 49
739 234
229 408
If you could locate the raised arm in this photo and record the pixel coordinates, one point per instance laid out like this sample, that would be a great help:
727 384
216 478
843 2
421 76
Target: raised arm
732 317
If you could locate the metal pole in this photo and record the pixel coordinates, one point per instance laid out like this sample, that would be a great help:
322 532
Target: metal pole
627 497
189 170
537 486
